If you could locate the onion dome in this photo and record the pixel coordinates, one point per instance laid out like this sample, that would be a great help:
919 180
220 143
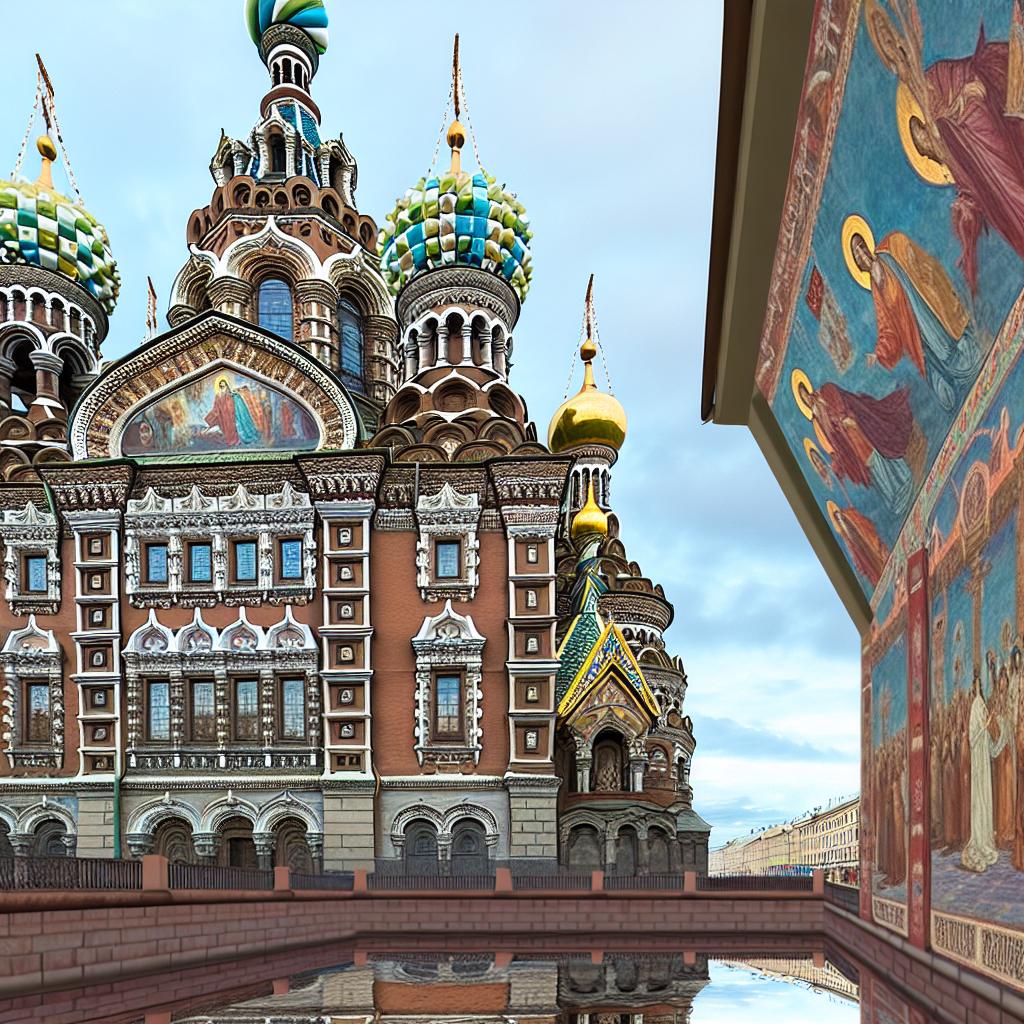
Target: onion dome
590 519
457 219
591 416
41 227
308 15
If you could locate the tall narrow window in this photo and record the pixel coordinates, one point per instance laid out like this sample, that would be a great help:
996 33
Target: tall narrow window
275 307
245 561
350 326
278 154
159 711
34 574
291 559
246 709
448 707
200 563
446 559
204 717
37 713
293 709
156 563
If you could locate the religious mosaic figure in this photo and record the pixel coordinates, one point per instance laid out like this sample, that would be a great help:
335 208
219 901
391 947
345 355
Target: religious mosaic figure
918 312
980 852
960 124
870 441
868 551
232 416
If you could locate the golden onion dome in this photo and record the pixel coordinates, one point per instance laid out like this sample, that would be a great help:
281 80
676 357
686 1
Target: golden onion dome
589 519
591 416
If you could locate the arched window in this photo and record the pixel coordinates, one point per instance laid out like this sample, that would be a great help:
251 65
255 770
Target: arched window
350 327
278 155
275 306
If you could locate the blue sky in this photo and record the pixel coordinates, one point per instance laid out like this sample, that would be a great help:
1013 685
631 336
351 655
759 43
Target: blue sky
605 126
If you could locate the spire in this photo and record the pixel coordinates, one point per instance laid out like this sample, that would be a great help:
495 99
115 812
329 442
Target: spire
456 131
590 523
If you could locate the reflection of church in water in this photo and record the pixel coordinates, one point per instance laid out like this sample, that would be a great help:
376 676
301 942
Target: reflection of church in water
295 580
482 989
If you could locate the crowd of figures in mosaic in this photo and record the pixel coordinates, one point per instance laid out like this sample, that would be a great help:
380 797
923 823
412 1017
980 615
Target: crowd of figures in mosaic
295 581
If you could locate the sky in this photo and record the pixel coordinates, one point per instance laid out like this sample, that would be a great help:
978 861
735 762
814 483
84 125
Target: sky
605 127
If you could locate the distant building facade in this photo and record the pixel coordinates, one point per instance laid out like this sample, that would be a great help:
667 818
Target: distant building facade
828 839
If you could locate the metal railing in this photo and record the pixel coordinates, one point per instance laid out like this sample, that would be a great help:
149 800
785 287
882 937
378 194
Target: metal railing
654 881
333 880
561 879
211 876
845 896
755 883
388 879
62 873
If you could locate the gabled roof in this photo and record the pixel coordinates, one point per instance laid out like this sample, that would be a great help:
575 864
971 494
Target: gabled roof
608 654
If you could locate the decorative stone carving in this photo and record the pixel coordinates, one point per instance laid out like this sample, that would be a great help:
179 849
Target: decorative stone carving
32 653
448 514
448 641
218 520
28 531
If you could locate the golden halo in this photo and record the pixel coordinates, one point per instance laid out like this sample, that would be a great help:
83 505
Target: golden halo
222 379
809 447
907 107
832 508
797 378
855 224
822 439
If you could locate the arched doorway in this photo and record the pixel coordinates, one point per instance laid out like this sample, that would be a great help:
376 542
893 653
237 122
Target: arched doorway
626 845
237 849
469 849
584 851
608 774
659 858
49 839
173 840
291 848
420 850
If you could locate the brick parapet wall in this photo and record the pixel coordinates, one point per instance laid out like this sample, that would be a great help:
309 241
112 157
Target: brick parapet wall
949 993
156 932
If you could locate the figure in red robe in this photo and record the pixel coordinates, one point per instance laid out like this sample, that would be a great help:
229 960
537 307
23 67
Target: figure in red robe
868 551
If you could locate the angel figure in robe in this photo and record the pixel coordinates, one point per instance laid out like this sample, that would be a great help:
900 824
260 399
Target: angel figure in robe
873 442
960 124
918 312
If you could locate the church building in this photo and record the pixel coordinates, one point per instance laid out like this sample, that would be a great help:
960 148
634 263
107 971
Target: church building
296 581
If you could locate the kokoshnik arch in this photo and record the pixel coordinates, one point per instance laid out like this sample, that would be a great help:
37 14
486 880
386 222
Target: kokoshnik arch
296 581
866 322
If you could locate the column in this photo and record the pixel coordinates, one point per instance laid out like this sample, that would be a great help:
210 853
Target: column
441 355
47 404
467 344
7 369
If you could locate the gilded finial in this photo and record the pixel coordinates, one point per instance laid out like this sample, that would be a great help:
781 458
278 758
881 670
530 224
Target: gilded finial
590 519
456 132
48 152
589 347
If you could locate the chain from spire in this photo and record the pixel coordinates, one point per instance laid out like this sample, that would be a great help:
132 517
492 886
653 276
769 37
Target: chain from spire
45 105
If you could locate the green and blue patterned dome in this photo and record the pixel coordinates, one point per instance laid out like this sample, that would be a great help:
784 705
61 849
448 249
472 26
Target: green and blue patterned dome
457 220
308 15
40 227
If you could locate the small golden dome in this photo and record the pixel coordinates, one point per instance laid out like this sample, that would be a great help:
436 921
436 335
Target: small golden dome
456 134
589 519
591 416
47 150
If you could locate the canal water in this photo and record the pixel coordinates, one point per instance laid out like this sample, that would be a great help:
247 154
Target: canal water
608 988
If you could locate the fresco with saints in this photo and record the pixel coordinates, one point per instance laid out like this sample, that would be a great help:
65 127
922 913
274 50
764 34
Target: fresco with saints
221 411
914 232
976 755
